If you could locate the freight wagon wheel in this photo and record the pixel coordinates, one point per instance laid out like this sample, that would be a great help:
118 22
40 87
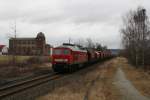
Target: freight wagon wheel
67 69
80 66
54 69
76 67
70 69
73 68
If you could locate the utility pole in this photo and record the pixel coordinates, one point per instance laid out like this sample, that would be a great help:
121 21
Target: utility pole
15 31
15 36
69 40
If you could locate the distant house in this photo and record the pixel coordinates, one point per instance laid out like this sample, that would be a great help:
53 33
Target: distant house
3 50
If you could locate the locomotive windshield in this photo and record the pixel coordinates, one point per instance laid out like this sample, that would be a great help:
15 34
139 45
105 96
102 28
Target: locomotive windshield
66 52
61 52
57 52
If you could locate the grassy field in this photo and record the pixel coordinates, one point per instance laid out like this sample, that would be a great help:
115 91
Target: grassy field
18 59
8 59
23 66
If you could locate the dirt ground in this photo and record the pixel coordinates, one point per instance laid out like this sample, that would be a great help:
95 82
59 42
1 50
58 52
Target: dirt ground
139 78
94 84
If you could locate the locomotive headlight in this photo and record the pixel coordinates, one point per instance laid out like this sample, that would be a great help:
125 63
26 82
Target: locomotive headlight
61 60
65 60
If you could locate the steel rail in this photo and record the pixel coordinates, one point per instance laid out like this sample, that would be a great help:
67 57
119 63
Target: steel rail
27 84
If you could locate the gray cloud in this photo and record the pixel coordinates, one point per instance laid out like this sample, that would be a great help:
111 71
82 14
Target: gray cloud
61 19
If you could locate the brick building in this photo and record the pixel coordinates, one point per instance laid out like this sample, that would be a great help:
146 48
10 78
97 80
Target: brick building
29 46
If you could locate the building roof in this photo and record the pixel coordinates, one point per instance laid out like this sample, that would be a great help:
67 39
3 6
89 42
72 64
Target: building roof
22 38
40 35
48 45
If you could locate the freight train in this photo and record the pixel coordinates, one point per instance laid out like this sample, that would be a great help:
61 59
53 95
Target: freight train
70 57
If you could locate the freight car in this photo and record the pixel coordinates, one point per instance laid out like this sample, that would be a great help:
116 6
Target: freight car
69 57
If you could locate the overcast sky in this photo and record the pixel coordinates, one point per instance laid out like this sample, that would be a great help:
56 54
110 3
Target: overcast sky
60 20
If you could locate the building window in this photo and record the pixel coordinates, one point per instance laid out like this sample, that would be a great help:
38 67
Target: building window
33 42
23 42
19 42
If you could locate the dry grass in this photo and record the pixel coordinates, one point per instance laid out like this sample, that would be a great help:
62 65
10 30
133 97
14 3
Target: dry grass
18 71
105 84
9 58
21 67
138 77
95 83
6 60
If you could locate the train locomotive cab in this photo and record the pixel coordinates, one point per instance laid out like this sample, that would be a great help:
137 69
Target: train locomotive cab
68 58
61 58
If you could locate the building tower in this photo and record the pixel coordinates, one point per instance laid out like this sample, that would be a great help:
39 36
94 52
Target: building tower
41 43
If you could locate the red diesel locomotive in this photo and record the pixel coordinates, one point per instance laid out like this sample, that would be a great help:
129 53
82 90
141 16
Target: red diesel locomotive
69 57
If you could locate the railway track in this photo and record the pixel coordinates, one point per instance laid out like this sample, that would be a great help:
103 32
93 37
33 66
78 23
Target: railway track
15 88
26 84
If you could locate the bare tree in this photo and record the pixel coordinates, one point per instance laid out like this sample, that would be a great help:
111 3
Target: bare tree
98 47
135 33
80 42
90 43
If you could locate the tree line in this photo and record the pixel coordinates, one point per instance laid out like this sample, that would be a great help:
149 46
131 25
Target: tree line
136 37
88 43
